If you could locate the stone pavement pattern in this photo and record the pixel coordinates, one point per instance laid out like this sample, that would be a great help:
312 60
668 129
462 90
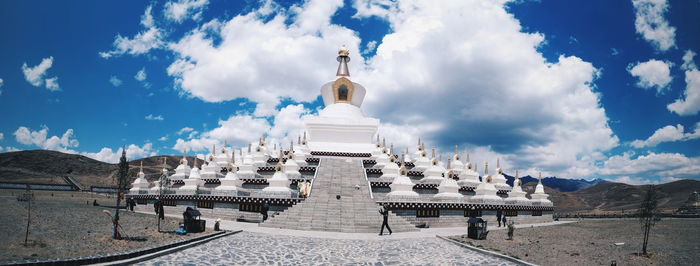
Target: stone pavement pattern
260 248
354 212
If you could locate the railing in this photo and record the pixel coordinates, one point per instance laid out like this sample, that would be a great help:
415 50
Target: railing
369 185
314 179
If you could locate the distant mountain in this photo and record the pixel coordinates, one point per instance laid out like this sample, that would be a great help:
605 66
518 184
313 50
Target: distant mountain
49 167
610 196
559 184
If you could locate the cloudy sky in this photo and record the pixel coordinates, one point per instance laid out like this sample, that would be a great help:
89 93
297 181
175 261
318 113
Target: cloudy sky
576 89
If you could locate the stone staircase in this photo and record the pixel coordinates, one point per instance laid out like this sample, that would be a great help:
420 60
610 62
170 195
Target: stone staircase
354 212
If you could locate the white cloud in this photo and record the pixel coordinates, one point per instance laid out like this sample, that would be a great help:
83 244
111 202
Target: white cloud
133 151
52 84
370 47
35 75
150 38
154 117
163 138
690 103
2 82
688 63
184 130
652 25
141 75
182 9
259 54
614 51
471 74
653 166
667 134
116 82
9 149
652 74
2 136
40 138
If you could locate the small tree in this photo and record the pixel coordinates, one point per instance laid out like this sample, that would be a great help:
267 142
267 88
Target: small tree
648 214
122 178
163 185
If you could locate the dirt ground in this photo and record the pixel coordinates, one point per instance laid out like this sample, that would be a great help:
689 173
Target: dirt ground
65 224
591 242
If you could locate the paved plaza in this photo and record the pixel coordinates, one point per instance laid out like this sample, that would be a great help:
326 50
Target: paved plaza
262 248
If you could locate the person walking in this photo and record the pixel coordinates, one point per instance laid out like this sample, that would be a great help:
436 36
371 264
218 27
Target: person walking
511 229
499 214
385 220
504 221
263 211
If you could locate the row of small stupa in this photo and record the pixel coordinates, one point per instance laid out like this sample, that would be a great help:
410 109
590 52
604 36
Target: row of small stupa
434 172
235 169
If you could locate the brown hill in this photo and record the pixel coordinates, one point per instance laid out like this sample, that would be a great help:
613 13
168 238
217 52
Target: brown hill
49 167
616 197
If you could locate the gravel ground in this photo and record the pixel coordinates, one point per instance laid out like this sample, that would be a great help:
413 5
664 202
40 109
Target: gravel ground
67 225
591 242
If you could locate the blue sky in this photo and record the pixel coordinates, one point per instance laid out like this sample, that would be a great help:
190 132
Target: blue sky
578 89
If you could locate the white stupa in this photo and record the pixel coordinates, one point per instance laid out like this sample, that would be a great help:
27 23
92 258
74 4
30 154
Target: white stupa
517 195
278 184
383 158
223 158
448 188
193 182
434 173
469 176
156 184
299 155
402 187
407 157
246 169
391 169
140 185
377 149
457 165
419 151
486 192
291 168
211 168
539 197
260 155
182 171
422 161
341 126
230 183
499 180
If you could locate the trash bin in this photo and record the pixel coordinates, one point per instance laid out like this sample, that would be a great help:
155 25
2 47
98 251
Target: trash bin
192 221
477 228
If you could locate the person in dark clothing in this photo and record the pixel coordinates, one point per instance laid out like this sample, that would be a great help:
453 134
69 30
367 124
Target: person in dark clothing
499 214
263 211
385 222
158 206
133 204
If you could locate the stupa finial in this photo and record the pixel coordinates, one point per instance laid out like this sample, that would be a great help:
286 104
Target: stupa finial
141 169
433 152
343 58
486 169
449 163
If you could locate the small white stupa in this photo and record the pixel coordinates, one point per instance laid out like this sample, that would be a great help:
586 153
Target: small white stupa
211 168
230 183
223 158
291 168
517 195
260 154
391 169
422 161
499 180
407 157
539 197
140 185
382 158
486 193
299 155
193 182
247 169
457 165
402 186
434 173
377 149
304 147
182 171
156 184
469 176
448 188
279 183
419 151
